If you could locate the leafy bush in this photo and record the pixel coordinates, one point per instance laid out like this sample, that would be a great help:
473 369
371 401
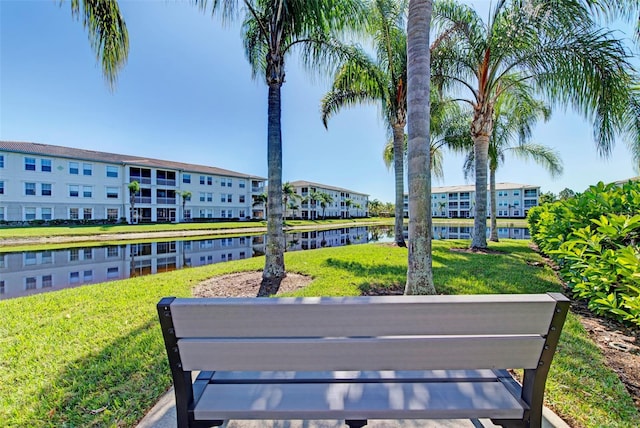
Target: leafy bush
594 239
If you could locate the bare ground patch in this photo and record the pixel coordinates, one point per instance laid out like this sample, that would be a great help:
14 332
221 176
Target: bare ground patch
246 284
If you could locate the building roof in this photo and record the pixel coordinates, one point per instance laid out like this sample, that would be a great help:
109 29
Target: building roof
91 155
303 183
472 188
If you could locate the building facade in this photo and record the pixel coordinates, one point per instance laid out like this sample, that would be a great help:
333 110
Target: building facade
45 182
345 203
512 201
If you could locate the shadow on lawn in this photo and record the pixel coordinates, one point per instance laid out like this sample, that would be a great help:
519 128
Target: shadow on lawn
113 387
379 276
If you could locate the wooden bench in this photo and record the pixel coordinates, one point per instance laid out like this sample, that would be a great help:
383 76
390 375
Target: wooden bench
360 358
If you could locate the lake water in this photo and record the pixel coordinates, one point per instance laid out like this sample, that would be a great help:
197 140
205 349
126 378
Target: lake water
31 272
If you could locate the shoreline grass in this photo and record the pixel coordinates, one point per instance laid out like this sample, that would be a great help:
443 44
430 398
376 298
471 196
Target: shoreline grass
94 356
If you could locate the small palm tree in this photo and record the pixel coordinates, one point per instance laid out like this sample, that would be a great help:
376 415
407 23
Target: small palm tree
325 199
348 203
134 188
289 192
186 196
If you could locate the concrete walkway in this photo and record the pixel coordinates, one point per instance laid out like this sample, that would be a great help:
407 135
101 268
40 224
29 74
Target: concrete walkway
163 415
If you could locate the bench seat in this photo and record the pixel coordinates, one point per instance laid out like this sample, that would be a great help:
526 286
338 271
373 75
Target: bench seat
441 394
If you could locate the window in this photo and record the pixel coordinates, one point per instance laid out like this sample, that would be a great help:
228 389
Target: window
74 191
226 197
46 214
202 179
516 193
209 197
242 254
113 251
112 213
30 189
241 199
30 259
2 285
187 214
30 213
87 213
241 184
203 196
29 164
74 277
87 169
1 161
1 187
47 257
30 283
186 178
47 281
229 182
45 189
242 214
112 272
209 181
87 191
45 165
87 253
74 254
87 275
73 168
112 193
112 171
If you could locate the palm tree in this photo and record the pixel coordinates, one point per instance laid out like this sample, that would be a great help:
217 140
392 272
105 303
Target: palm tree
288 192
108 34
134 187
348 203
419 270
554 49
515 115
186 196
375 207
273 29
362 80
324 199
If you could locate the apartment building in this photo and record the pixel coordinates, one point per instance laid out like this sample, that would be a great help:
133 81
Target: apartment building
45 182
512 201
345 203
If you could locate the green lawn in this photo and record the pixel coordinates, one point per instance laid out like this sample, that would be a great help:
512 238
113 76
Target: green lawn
94 356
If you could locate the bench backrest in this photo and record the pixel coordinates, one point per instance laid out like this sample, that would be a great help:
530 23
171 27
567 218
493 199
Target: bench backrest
365 333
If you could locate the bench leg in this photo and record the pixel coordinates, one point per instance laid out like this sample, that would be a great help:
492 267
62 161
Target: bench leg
356 423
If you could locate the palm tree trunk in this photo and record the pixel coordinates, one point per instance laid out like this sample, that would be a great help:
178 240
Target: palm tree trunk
419 270
274 254
398 167
481 148
492 191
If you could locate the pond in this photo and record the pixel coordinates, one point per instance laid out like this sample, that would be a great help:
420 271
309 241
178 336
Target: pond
31 272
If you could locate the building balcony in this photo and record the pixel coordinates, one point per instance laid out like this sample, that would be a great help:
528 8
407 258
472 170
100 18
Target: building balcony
166 201
141 180
165 182
143 199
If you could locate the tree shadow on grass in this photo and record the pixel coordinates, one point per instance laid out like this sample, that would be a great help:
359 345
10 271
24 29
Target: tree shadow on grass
112 387
378 276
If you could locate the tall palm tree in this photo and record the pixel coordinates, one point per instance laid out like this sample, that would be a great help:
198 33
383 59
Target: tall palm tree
325 200
362 80
554 49
273 30
186 196
134 187
516 112
419 269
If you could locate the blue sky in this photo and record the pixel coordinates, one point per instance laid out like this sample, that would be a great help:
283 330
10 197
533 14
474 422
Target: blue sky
186 94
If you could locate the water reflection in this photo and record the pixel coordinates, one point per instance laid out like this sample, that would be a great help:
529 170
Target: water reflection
31 272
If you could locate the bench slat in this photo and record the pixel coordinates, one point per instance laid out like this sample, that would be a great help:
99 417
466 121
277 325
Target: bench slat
363 316
386 353
353 375
358 401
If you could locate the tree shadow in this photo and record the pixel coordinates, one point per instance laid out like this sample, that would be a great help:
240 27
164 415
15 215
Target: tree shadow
113 386
381 278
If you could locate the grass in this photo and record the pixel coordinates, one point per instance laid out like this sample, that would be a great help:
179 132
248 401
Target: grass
93 356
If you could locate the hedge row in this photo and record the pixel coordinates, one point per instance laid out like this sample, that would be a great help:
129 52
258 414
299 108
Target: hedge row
594 237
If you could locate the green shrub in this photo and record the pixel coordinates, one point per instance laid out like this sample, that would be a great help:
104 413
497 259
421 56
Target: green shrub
594 239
